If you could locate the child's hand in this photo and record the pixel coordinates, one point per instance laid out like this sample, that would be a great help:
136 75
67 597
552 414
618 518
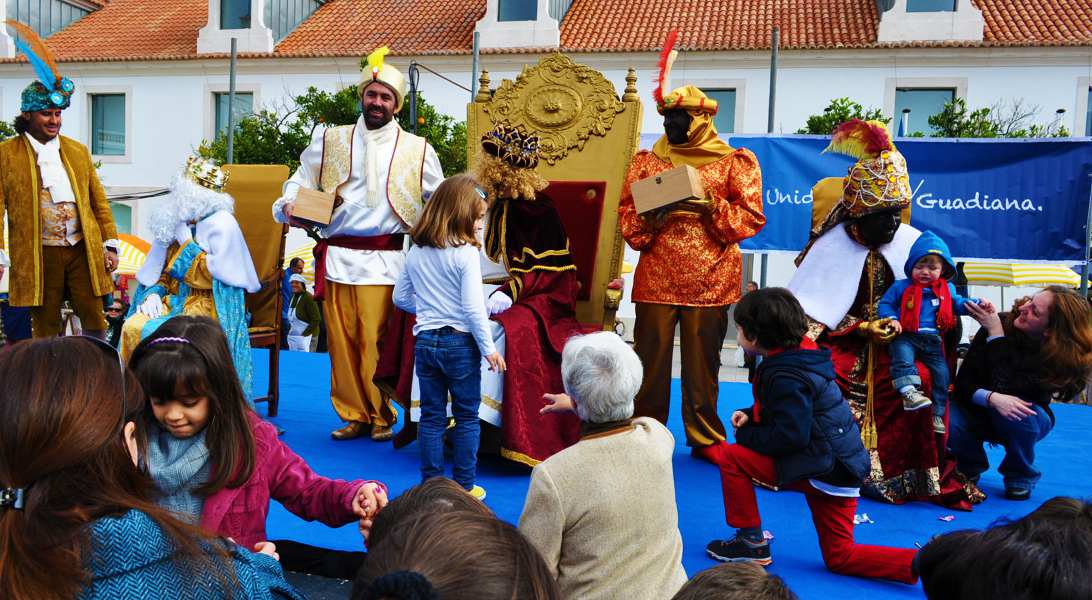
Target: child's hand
268 549
556 403
739 419
365 528
496 362
896 326
369 500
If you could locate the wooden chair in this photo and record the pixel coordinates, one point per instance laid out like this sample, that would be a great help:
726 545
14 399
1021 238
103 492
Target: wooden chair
254 188
588 135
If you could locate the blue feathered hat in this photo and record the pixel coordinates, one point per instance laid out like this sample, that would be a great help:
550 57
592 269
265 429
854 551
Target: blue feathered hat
51 90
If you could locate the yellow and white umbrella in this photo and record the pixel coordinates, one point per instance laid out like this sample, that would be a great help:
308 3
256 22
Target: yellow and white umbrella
131 253
304 252
1020 274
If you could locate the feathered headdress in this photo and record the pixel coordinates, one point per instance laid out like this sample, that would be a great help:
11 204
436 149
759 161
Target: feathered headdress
667 60
52 90
376 69
860 139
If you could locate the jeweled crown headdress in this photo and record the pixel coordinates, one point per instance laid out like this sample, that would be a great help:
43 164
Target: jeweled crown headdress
206 173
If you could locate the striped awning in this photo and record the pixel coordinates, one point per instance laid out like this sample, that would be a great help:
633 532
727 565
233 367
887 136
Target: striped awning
1020 274
131 253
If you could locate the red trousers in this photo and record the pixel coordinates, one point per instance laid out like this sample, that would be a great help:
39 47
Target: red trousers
832 515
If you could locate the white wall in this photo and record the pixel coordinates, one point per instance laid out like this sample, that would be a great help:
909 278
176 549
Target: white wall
171 107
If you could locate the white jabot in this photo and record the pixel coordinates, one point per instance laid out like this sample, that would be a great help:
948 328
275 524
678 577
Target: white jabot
54 176
835 260
358 215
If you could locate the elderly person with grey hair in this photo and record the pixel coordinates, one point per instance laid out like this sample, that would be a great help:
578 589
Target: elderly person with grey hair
602 512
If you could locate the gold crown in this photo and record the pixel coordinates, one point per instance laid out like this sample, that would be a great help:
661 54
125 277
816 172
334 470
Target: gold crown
206 173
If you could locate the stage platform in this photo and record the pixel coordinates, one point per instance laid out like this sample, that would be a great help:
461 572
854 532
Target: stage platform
1065 457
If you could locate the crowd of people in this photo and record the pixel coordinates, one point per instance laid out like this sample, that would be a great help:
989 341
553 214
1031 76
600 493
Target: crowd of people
146 471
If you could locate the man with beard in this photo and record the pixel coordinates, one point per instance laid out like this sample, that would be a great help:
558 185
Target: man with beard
856 250
62 239
380 176
690 268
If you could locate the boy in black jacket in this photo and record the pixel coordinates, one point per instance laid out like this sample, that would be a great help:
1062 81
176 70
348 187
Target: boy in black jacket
798 435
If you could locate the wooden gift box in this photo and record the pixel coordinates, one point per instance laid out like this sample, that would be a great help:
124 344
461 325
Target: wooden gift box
674 185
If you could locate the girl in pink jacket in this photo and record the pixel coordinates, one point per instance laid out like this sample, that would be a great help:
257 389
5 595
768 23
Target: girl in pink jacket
215 461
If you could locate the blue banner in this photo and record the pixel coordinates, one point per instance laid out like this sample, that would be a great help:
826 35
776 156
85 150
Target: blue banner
1005 199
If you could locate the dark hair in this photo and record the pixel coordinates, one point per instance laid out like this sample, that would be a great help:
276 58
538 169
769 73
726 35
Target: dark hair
772 317
434 495
200 367
1046 555
735 581
294 261
463 555
21 124
61 439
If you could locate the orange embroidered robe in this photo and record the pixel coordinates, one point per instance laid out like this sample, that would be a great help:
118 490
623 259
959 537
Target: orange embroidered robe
695 260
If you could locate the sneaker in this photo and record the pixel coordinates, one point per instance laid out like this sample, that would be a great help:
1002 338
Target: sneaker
913 399
739 550
478 492
938 424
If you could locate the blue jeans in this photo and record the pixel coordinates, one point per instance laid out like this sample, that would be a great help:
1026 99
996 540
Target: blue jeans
448 361
968 427
924 347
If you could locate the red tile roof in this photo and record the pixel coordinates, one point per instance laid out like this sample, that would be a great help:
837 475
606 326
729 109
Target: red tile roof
167 29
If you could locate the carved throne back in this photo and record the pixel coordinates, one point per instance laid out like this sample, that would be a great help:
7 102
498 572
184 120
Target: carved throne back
587 136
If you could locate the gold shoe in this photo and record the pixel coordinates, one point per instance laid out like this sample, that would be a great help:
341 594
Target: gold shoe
354 429
382 433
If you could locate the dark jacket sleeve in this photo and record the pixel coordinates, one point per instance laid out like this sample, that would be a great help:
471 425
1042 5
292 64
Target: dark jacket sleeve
784 418
308 312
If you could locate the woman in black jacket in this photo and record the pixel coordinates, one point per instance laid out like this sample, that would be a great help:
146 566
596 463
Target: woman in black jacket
1017 364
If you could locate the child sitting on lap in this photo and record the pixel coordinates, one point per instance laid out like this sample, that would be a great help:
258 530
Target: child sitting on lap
798 435
923 307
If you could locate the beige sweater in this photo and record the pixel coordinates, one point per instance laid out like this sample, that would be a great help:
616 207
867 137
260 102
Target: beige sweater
602 513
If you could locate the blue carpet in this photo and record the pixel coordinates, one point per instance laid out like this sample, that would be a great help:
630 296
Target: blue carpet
1065 458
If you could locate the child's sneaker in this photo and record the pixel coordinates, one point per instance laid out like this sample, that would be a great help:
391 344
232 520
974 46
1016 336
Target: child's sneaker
913 399
739 550
478 492
938 424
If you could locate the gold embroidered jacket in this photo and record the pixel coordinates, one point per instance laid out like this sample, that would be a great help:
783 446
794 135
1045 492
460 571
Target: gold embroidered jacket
19 191
694 260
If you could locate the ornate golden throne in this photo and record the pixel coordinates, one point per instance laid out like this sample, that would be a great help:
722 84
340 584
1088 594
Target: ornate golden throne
588 134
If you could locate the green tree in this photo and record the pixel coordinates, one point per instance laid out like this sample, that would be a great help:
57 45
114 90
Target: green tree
1000 120
839 111
272 138
6 130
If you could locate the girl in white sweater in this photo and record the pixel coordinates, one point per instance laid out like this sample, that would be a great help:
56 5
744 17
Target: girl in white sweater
442 284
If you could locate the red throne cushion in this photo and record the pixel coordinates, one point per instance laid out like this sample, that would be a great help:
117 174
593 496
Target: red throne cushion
580 206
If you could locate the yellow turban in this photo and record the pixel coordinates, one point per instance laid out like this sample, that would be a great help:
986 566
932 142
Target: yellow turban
703 145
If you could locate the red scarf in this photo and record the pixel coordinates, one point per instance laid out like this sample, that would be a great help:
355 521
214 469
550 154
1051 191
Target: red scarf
910 309
805 344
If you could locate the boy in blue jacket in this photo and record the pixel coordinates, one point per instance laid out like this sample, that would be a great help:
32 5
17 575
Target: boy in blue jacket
923 307
799 434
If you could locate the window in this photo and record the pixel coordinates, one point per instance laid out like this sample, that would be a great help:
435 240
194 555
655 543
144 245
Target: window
725 120
244 107
517 10
123 217
923 103
1088 119
930 5
108 124
234 14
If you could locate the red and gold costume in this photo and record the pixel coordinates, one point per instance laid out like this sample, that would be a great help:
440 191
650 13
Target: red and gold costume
839 282
690 265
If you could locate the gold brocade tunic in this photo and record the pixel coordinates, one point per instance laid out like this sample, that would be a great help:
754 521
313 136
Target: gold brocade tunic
695 260
199 302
